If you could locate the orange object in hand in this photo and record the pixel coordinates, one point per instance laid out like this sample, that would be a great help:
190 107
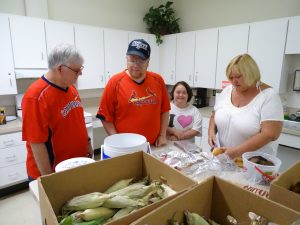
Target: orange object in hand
217 151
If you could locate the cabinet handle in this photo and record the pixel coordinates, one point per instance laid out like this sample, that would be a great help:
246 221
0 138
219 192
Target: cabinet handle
190 77
196 77
101 78
11 158
42 56
8 142
10 82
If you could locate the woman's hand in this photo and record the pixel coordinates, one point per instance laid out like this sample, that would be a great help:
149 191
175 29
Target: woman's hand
212 139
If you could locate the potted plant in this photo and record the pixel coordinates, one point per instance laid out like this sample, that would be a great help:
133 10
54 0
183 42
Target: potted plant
161 20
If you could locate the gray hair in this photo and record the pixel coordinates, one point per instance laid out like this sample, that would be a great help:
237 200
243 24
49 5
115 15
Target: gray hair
64 54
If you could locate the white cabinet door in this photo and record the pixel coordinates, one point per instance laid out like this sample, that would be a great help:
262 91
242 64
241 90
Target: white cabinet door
58 33
89 40
168 58
293 36
206 58
266 46
7 74
154 57
233 40
137 35
29 42
185 55
115 48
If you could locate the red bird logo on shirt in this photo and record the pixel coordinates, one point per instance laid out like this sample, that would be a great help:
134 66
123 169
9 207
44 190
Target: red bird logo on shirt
150 98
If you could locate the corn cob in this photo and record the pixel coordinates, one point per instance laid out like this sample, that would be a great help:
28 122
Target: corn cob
87 201
97 213
123 212
137 190
118 185
119 202
130 188
194 219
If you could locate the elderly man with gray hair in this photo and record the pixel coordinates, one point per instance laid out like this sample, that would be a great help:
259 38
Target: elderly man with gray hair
53 118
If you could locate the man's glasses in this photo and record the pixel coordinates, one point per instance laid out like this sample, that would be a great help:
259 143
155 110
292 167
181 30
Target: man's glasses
77 72
138 62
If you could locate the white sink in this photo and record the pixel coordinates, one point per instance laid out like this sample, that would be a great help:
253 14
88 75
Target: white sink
293 125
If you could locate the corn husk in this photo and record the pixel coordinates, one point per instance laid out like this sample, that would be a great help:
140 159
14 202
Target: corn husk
97 213
129 189
123 212
166 191
120 202
194 219
87 201
118 185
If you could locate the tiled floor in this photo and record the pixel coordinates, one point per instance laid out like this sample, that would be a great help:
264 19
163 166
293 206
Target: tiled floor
19 209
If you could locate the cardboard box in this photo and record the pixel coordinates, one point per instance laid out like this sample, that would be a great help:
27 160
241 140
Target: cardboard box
279 190
56 189
216 198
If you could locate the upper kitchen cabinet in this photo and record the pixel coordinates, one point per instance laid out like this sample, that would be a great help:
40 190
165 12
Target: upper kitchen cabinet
168 58
89 40
154 57
137 35
7 74
29 42
206 58
233 40
54 31
115 48
266 46
293 36
185 55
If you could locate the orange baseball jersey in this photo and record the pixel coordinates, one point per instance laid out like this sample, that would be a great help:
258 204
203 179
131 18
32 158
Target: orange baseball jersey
54 116
135 107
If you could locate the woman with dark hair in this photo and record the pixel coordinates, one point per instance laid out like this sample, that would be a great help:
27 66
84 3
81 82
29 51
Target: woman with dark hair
185 119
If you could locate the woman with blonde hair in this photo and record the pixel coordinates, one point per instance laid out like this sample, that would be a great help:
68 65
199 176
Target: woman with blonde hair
248 114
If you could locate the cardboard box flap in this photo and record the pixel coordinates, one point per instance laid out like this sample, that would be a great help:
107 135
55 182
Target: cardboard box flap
279 190
291 176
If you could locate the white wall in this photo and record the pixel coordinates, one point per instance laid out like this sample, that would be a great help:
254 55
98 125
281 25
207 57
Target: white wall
200 14
117 14
128 14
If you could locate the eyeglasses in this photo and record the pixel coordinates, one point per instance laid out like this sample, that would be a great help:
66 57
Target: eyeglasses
77 72
138 62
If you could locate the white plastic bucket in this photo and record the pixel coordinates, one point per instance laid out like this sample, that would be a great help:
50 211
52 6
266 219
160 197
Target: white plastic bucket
123 143
261 173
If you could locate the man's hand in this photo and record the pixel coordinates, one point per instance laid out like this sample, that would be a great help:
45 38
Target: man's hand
161 140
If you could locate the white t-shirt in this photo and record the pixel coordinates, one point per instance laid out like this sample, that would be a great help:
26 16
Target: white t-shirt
235 125
186 118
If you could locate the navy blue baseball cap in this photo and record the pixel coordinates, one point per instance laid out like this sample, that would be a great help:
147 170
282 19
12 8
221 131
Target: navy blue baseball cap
140 48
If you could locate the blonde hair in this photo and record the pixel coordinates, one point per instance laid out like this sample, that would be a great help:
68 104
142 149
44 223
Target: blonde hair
246 66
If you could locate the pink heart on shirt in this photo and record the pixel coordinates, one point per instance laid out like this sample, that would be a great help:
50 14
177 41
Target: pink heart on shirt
184 121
